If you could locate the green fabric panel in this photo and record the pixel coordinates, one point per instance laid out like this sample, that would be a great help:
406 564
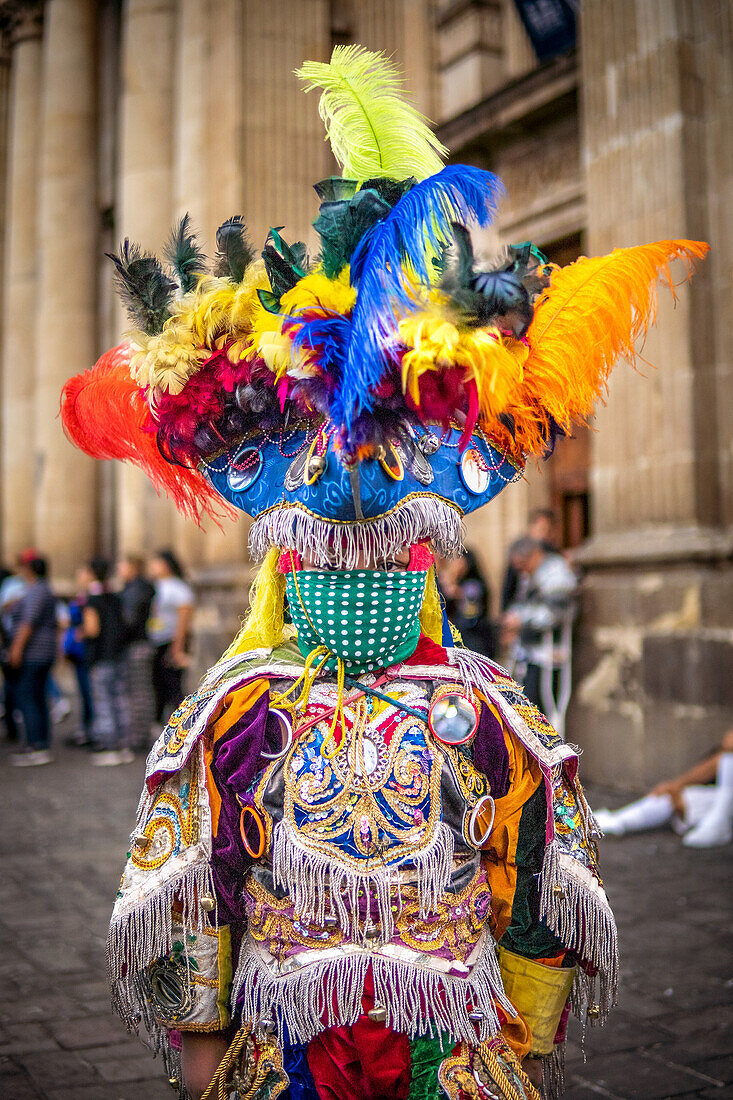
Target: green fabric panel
527 935
370 618
425 1056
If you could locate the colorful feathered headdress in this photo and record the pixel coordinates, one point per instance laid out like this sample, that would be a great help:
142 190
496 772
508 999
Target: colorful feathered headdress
373 394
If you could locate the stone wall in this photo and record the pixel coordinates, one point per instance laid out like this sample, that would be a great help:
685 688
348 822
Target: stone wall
655 645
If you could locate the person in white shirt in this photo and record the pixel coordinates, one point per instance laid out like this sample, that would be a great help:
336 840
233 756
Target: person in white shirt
544 601
169 630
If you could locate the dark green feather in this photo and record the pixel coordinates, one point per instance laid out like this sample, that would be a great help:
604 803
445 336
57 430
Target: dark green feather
234 253
286 264
144 288
341 226
184 255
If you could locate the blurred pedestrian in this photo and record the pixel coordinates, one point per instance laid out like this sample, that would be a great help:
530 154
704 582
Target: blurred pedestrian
102 629
545 603
169 629
74 648
137 596
542 527
468 602
12 588
698 804
32 651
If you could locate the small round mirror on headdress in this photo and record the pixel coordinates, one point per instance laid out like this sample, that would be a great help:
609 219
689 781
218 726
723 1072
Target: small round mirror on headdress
244 468
475 473
453 719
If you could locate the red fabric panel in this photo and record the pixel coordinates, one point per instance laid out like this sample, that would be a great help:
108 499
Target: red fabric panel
366 1061
428 652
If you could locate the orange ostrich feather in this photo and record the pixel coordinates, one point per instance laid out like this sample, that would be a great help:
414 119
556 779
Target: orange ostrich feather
106 415
593 312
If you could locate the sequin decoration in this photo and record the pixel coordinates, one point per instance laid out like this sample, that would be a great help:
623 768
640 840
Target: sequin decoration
171 823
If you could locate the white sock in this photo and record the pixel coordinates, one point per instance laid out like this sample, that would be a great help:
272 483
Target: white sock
716 827
648 812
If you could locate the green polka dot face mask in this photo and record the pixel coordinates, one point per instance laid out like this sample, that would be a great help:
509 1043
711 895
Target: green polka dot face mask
367 617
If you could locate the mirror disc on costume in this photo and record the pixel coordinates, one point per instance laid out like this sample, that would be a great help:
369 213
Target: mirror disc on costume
166 983
453 719
244 469
475 473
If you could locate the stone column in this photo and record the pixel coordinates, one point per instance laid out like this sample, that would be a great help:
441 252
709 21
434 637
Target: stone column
225 148
193 77
66 315
145 205
656 644
19 295
5 54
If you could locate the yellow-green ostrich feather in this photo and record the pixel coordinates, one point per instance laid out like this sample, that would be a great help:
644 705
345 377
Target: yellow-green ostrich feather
372 129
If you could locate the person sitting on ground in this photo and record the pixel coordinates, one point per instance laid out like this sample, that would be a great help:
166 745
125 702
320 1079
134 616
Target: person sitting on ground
547 598
698 803
102 629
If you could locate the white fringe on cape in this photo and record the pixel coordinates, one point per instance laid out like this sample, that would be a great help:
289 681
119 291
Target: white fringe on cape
314 881
418 1000
145 933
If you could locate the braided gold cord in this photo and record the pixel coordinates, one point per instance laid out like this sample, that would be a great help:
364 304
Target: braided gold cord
217 1086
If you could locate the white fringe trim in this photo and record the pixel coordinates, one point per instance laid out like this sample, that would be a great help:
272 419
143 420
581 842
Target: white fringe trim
145 933
575 908
478 674
418 1001
314 881
342 544
553 1073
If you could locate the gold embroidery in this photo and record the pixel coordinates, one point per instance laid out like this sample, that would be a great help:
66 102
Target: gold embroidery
167 830
455 925
333 804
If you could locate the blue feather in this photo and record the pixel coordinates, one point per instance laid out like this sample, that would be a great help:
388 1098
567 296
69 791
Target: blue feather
391 256
329 333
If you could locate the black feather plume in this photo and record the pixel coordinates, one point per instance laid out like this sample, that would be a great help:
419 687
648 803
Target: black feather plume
145 289
502 294
457 274
234 253
184 255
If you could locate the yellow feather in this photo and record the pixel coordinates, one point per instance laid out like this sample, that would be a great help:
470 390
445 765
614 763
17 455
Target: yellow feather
373 130
593 313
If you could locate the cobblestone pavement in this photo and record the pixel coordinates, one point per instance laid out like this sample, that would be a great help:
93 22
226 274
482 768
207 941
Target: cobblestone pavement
64 834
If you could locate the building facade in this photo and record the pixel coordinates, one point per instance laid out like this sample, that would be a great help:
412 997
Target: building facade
117 116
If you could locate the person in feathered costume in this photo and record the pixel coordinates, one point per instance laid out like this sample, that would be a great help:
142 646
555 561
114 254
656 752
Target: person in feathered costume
363 865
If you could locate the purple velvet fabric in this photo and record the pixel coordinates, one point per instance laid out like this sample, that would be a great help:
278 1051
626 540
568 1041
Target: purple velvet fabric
236 762
490 753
